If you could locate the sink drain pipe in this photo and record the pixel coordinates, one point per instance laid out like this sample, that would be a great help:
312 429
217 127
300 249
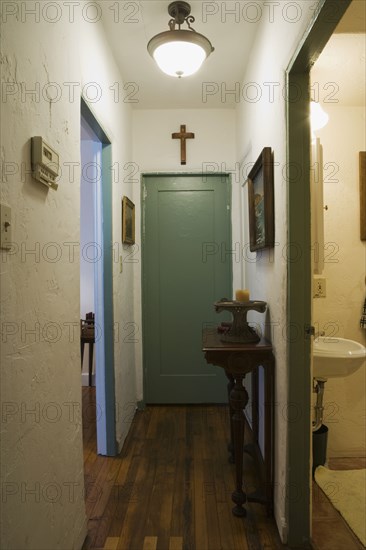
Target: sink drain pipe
320 430
319 409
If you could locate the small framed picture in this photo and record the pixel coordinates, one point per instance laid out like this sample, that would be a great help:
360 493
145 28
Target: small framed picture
128 221
261 202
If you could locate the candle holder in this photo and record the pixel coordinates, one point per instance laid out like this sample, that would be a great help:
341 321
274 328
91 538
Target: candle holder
240 332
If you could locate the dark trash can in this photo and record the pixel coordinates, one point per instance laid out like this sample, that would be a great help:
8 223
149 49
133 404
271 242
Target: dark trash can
320 439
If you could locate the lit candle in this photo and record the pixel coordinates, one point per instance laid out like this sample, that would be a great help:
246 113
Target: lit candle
242 295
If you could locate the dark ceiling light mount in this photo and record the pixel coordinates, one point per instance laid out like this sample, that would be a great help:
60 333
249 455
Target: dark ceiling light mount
179 11
180 52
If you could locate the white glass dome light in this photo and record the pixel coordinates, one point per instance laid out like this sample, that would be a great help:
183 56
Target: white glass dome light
179 53
179 58
318 117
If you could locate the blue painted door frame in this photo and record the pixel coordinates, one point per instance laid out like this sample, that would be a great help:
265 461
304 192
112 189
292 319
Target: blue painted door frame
103 288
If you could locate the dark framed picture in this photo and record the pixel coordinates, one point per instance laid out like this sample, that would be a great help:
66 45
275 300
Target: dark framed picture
261 202
128 221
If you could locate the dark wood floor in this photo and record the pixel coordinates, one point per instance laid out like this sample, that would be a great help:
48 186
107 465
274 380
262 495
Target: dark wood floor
170 489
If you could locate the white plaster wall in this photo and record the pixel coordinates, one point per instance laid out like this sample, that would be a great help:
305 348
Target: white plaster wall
42 459
345 268
154 150
41 371
261 122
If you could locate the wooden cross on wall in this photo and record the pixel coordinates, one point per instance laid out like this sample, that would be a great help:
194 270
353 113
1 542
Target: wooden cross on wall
183 136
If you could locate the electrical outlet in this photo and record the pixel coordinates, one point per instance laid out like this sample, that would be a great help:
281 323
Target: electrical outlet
319 288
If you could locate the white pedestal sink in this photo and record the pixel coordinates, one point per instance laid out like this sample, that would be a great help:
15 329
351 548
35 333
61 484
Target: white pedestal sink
337 357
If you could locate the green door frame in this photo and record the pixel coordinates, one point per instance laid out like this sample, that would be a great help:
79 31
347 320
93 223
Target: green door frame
325 20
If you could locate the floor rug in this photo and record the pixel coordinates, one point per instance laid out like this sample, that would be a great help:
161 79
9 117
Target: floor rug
346 489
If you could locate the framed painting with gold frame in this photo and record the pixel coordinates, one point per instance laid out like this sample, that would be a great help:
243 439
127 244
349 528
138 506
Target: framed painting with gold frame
128 221
261 202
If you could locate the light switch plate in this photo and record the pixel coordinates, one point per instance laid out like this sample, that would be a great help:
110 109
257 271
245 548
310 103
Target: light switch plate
319 287
5 227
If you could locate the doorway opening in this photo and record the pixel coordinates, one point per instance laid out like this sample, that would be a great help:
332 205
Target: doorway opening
96 280
298 493
338 135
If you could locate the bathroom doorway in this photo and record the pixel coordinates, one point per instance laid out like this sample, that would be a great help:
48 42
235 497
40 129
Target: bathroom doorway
298 490
96 282
339 442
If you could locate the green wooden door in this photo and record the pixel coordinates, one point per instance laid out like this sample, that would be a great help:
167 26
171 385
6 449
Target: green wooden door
186 223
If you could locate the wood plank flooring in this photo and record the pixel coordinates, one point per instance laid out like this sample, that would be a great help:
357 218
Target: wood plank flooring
170 488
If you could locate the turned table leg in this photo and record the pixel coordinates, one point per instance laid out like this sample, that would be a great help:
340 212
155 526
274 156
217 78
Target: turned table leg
230 446
238 402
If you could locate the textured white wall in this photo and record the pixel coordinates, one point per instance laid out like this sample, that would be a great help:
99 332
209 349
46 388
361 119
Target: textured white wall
345 267
40 376
154 150
261 122
41 370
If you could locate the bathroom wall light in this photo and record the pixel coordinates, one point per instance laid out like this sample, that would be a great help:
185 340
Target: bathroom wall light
318 117
180 52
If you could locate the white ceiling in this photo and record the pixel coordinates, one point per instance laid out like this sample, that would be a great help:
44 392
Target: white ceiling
339 74
140 21
354 20
340 70
340 67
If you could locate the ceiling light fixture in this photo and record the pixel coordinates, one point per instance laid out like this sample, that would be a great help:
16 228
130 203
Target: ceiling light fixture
180 52
318 117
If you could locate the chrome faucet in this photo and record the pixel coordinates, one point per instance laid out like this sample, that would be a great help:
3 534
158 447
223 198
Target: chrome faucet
310 331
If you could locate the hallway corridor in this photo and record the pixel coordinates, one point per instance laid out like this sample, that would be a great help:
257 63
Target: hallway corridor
170 488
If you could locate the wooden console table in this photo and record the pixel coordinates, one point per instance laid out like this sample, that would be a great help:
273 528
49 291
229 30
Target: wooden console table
239 360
